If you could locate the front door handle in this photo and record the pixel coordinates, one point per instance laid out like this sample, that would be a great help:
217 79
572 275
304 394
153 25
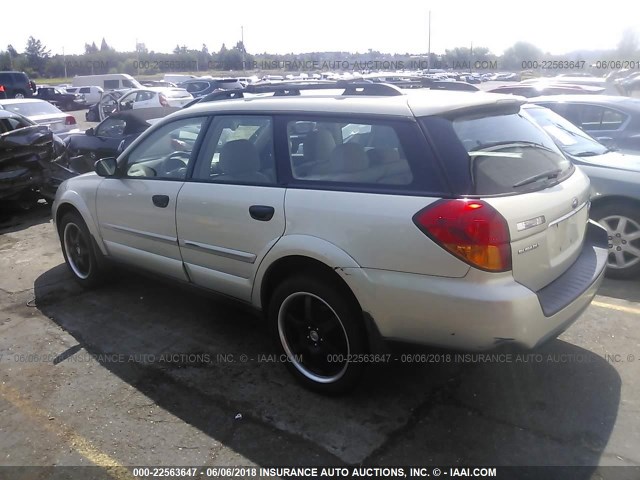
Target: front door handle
160 200
264 213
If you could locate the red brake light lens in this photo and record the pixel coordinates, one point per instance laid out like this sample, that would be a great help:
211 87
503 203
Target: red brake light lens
163 100
472 230
70 120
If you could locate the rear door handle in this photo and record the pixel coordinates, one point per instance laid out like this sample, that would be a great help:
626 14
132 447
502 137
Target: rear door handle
264 213
160 200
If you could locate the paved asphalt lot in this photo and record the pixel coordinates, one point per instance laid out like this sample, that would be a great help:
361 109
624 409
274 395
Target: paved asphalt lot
140 372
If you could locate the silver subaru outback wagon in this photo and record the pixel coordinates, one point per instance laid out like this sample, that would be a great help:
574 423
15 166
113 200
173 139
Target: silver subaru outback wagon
435 217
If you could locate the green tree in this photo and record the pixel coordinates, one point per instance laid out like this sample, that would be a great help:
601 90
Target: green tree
103 46
37 55
520 52
88 49
12 51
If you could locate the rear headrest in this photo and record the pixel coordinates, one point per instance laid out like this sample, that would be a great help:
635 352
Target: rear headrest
239 156
318 146
348 158
383 156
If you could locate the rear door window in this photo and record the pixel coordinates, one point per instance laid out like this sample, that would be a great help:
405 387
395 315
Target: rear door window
509 154
595 117
238 149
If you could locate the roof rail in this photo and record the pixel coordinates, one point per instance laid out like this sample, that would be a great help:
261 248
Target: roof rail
351 87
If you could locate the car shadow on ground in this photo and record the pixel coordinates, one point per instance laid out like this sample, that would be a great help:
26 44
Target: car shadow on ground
206 360
14 219
622 289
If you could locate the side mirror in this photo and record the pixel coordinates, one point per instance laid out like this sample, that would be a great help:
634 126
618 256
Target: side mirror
90 131
106 167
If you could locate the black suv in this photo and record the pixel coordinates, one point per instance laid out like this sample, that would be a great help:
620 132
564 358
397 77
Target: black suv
16 84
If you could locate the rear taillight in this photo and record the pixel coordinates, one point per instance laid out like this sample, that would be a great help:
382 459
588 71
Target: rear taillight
70 120
471 230
163 100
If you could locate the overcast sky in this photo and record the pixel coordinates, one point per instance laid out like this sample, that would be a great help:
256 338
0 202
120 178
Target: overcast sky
326 25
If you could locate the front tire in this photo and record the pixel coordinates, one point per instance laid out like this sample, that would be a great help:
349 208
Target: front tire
320 329
622 222
79 251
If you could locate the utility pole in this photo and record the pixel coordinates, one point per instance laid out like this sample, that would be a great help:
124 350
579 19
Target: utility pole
471 57
242 40
429 53
64 60
138 57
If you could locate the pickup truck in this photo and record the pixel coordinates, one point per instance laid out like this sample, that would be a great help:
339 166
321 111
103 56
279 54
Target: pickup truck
64 101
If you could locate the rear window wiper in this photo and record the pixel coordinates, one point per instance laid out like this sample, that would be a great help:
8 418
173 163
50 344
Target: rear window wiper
549 174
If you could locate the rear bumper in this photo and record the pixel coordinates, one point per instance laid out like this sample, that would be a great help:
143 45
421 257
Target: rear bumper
480 311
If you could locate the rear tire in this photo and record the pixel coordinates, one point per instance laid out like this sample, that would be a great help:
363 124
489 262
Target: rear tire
622 221
79 251
319 327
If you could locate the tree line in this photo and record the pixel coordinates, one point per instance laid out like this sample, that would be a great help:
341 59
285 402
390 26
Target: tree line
38 62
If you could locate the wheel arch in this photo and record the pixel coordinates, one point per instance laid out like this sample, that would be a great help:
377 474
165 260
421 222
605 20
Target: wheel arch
601 201
71 202
301 253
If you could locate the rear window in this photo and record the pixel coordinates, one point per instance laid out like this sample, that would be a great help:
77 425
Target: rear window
509 154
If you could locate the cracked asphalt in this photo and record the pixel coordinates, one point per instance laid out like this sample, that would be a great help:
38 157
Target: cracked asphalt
141 372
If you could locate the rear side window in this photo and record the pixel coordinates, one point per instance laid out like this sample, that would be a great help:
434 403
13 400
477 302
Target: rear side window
112 84
340 151
509 154
595 117
85 90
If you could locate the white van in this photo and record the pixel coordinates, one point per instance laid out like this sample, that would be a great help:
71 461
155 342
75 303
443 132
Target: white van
112 81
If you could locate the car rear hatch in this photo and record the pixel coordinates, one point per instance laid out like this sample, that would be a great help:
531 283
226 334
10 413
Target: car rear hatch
510 165
178 97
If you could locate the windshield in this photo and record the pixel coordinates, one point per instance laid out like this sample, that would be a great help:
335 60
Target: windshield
29 109
567 136
509 153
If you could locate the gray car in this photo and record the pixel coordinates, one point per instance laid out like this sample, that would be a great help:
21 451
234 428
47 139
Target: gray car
612 120
615 188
